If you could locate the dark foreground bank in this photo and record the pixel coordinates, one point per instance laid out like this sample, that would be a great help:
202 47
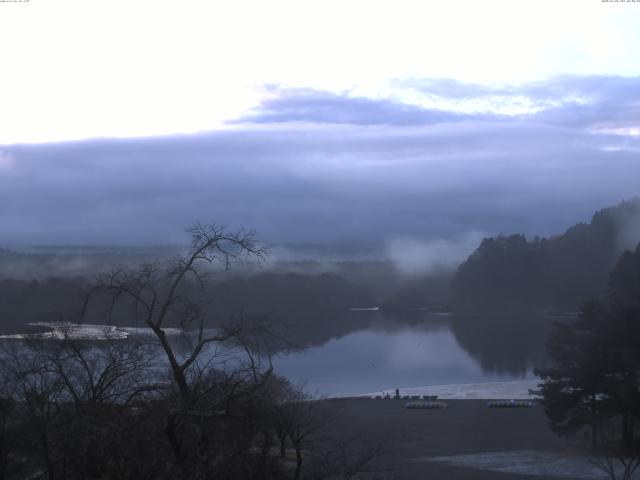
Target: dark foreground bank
414 437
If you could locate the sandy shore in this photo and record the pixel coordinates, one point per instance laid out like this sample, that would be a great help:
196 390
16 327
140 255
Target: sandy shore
466 440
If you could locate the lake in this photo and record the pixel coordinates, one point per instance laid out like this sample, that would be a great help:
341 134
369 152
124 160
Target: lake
359 352
434 350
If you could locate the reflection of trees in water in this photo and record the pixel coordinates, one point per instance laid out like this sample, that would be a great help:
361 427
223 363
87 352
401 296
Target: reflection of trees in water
314 309
421 321
315 328
503 343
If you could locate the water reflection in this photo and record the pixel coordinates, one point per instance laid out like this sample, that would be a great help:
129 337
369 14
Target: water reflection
504 343
386 352
362 351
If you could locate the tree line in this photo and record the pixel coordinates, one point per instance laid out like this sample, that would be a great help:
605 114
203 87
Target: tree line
202 404
560 271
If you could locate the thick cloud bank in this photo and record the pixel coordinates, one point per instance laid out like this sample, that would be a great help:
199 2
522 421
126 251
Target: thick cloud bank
321 167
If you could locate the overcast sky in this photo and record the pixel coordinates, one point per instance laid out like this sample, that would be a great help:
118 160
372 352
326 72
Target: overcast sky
124 122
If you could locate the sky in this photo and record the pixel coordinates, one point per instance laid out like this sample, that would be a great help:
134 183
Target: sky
331 122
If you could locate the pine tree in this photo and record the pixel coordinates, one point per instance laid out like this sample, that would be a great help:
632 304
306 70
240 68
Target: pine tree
596 373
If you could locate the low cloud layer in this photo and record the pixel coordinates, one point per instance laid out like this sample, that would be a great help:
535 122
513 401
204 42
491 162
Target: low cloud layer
322 168
412 256
601 102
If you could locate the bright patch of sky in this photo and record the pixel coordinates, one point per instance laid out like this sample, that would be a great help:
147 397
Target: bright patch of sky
77 69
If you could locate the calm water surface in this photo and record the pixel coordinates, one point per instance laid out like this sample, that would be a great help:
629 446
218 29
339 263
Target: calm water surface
361 352
435 350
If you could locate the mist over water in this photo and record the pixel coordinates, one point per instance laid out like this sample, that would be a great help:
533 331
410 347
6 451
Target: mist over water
412 256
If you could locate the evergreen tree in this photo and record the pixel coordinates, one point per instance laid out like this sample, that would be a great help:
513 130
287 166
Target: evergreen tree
596 373
572 388
512 271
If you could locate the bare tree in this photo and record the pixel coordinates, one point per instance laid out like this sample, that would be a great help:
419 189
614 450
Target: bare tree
345 459
309 423
35 394
7 437
67 398
608 453
195 402
159 293
283 418
211 369
319 447
108 371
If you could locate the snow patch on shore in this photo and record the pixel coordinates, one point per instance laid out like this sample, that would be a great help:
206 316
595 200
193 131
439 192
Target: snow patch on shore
527 462
514 389
74 331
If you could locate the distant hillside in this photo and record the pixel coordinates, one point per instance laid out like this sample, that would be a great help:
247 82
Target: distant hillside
559 271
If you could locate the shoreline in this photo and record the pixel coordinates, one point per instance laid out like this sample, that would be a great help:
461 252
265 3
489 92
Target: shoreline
499 390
